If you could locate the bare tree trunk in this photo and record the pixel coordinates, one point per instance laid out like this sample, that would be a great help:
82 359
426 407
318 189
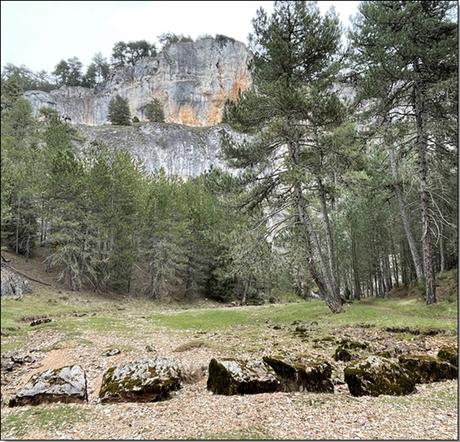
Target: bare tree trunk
18 217
442 264
329 236
404 216
430 292
327 290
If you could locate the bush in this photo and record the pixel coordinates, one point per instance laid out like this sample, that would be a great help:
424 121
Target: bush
154 111
119 111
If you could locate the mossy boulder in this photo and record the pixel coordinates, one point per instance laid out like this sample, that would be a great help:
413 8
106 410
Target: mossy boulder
342 354
312 376
449 354
234 376
425 369
145 380
67 384
375 375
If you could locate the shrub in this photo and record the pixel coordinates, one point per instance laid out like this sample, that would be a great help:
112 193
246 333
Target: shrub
154 111
119 111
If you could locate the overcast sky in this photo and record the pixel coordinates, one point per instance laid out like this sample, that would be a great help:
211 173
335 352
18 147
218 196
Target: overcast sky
40 33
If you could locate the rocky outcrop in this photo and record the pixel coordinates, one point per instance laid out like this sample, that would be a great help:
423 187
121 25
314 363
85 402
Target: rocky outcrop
234 376
13 284
376 375
312 376
177 149
192 81
140 381
449 354
425 369
66 384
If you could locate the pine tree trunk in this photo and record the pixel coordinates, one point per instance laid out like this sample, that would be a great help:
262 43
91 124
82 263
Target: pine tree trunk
421 143
442 264
404 216
327 290
329 236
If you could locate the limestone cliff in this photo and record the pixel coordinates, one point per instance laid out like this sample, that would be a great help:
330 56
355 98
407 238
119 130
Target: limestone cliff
179 150
192 80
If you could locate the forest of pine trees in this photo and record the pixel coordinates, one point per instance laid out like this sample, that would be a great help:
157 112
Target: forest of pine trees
347 188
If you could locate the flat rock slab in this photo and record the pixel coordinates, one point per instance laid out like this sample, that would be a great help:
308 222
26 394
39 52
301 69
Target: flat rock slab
425 369
66 384
234 376
145 380
376 375
312 376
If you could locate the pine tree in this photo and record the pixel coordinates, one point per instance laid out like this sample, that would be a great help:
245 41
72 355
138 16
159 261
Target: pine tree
406 58
119 113
291 104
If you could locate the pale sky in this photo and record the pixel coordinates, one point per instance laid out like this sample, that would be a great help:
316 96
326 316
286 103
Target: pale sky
39 34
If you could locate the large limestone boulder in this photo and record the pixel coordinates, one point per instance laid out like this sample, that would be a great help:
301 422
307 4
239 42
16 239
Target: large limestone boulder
312 376
425 369
449 354
13 284
146 380
233 376
376 375
66 384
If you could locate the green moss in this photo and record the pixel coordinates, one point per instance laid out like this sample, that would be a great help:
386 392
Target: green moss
342 354
449 354
53 417
427 369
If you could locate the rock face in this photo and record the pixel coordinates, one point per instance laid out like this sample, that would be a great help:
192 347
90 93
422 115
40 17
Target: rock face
376 375
233 376
66 384
13 284
310 376
425 369
179 150
140 381
192 80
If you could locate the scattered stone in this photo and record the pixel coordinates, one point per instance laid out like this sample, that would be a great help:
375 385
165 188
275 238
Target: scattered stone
193 374
196 343
449 354
40 321
342 354
233 376
112 352
353 345
150 348
376 375
66 384
414 331
426 369
276 327
140 381
312 376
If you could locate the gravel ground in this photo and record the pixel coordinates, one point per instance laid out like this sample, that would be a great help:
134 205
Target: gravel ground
195 413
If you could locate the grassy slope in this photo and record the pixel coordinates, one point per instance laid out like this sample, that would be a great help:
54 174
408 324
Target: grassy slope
131 316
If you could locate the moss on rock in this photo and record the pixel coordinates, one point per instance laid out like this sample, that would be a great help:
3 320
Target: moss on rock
425 369
376 375
140 381
234 376
449 354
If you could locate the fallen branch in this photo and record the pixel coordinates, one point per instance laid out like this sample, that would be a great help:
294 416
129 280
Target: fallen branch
26 276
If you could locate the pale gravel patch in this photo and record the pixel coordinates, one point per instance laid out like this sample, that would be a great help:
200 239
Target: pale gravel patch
195 413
